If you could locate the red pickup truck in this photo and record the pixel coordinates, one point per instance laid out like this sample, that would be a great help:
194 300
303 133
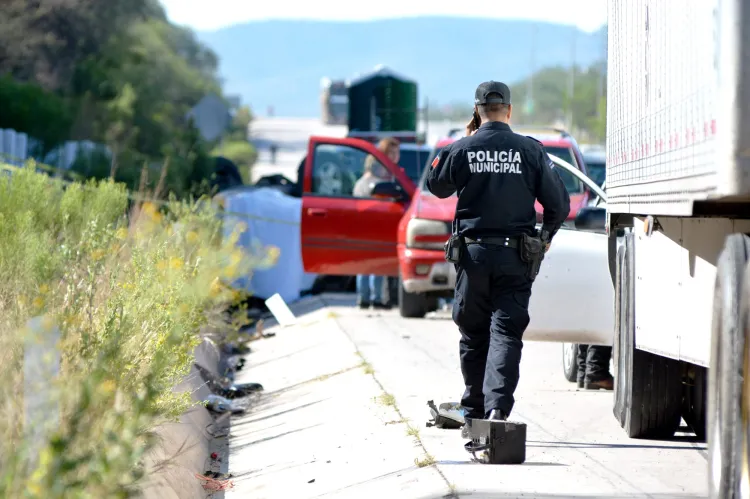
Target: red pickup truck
400 230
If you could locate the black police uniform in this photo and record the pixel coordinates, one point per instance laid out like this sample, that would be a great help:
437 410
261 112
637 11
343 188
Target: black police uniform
498 175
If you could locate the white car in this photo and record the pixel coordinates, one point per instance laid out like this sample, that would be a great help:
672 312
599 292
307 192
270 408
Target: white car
591 219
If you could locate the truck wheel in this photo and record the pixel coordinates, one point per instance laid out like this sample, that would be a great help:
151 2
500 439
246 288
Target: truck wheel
648 387
725 371
570 361
411 305
744 483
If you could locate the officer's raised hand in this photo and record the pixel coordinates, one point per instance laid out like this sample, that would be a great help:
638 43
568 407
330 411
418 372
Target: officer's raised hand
474 124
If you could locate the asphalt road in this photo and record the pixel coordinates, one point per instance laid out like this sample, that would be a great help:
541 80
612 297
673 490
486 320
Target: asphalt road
575 447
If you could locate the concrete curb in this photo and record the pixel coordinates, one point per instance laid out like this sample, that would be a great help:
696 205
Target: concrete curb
184 444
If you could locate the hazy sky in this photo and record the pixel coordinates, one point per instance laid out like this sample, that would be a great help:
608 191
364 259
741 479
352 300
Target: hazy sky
588 15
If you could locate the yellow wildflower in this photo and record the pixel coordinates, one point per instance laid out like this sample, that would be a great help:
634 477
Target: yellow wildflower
98 254
230 271
48 323
273 254
192 237
121 234
176 263
216 287
38 302
107 387
43 289
148 209
236 257
233 238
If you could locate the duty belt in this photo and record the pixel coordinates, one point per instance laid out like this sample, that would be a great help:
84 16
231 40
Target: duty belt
509 242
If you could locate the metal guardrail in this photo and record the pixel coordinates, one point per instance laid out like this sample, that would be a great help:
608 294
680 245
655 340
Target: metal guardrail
8 170
9 163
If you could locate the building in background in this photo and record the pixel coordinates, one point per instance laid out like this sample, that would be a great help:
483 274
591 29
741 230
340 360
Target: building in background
334 101
383 101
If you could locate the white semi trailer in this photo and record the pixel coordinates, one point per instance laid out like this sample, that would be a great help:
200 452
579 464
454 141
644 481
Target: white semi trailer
678 186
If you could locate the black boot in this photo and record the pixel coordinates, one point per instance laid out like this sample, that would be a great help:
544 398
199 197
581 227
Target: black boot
363 304
497 415
604 383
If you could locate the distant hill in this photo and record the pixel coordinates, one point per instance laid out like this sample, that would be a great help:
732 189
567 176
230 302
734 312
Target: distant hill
280 63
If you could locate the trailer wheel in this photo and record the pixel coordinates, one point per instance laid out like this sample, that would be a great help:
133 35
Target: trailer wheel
725 371
744 484
411 305
648 387
570 361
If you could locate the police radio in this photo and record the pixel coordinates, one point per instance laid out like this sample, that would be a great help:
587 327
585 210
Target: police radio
454 246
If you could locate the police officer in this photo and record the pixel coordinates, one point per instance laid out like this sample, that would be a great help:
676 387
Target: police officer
498 175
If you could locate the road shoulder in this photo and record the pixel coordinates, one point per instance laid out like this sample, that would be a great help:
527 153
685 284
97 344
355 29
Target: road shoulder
324 425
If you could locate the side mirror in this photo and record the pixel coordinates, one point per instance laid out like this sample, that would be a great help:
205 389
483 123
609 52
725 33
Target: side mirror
388 190
591 218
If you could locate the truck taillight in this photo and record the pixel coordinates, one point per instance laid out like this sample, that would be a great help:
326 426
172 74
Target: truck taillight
426 234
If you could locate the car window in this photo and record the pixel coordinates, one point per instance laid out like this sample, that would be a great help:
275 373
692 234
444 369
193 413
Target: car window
597 171
413 162
337 169
572 184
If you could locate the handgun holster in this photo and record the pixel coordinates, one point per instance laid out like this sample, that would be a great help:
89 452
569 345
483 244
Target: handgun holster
532 253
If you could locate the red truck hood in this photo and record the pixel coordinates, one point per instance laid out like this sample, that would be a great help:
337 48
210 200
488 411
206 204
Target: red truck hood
431 207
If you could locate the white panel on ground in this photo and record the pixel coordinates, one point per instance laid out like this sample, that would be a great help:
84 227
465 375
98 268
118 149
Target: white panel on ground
280 310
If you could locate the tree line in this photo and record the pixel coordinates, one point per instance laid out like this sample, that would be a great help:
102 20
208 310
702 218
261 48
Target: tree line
115 72
545 98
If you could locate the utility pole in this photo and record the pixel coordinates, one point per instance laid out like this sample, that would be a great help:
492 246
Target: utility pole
426 119
572 81
529 104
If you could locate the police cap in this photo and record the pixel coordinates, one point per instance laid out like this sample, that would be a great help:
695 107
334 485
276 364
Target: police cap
484 92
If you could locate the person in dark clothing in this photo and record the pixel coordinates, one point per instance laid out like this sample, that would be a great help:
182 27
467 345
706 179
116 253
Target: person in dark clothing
498 176
593 367
226 174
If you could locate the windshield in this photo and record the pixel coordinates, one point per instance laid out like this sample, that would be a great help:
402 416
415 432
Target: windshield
413 162
597 171
572 184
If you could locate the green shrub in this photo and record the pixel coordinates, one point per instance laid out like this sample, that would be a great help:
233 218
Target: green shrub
130 296
29 109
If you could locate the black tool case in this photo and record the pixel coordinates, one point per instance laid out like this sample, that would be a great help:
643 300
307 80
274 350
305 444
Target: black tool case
497 442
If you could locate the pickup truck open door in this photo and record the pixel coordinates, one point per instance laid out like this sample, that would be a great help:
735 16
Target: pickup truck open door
572 297
343 234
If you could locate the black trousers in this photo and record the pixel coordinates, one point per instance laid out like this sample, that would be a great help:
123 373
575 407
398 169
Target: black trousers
593 362
491 311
